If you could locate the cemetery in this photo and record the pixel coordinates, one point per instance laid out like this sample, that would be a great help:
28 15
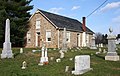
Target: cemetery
64 61
53 45
13 67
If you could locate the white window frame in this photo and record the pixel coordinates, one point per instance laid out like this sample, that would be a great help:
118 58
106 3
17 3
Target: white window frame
48 35
38 24
68 37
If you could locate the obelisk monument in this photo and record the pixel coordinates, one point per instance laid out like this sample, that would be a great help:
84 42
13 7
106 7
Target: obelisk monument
64 43
7 52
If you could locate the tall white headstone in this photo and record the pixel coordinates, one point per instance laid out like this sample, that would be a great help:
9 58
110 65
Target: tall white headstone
44 57
111 54
93 46
82 64
7 52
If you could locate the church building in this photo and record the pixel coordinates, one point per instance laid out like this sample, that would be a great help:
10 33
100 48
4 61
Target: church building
48 28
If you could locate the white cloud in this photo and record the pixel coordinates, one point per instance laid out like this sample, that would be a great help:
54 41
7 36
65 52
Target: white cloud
55 10
116 19
75 7
110 6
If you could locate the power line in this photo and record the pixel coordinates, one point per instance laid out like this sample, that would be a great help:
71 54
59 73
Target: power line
97 8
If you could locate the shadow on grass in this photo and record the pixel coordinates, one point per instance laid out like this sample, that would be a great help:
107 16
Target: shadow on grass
16 54
99 56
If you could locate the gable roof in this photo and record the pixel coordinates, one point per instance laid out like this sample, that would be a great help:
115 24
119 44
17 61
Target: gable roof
65 22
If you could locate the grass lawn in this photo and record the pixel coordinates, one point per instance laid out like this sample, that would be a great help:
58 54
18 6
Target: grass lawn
12 67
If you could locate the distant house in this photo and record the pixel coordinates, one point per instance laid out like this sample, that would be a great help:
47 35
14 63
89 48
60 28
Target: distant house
118 41
48 27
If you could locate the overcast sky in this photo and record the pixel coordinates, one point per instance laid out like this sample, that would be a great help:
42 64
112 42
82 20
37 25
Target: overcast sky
100 21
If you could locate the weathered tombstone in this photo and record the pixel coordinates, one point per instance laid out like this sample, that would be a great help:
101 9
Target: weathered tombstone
93 46
51 58
33 51
111 54
64 43
116 48
54 49
21 50
104 51
7 52
82 64
44 57
58 60
61 54
97 45
101 45
75 49
97 53
72 50
71 59
100 50
24 64
66 68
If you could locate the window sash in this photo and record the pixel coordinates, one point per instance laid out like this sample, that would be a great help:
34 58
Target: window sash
68 36
38 24
48 36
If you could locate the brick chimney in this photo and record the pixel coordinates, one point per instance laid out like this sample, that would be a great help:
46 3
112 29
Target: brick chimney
84 24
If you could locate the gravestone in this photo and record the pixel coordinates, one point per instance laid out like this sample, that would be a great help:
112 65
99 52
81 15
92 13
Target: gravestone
24 64
51 58
100 50
66 68
70 59
44 57
58 60
93 46
64 43
116 49
111 54
7 52
34 51
101 45
82 64
61 54
21 50
104 51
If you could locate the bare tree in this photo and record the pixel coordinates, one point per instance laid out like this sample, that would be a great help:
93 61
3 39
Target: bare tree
98 38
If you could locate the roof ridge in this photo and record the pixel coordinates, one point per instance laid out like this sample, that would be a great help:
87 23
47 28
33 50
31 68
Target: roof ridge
58 15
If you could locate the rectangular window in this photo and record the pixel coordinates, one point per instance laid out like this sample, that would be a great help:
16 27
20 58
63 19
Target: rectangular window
48 36
37 24
68 36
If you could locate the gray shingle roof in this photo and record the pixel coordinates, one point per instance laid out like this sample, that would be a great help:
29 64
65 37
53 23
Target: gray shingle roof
65 22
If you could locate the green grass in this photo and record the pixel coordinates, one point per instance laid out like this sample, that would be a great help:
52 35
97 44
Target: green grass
12 67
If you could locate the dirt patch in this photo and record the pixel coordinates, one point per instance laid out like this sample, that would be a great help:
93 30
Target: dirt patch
116 68
93 63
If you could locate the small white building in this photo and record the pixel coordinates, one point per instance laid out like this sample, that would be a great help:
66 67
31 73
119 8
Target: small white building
117 41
